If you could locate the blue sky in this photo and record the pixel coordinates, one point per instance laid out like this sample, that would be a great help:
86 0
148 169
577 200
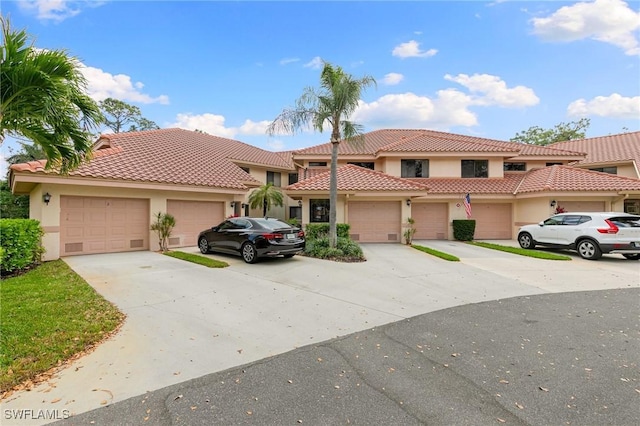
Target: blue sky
488 69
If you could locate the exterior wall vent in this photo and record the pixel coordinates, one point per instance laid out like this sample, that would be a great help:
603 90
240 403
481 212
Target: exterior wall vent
73 247
136 243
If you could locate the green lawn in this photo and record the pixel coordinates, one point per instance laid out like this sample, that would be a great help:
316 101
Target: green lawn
48 315
522 252
196 258
433 252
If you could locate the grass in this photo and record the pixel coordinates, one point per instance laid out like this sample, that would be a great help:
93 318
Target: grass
522 252
441 255
48 316
195 258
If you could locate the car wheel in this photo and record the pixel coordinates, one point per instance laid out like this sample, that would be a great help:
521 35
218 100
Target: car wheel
632 256
203 245
288 256
526 241
249 253
588 249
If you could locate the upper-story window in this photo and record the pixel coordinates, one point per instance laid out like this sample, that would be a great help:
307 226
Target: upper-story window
274 178
553 164
293 178
317 164
475 168
518 167
612 170
414 168
366 164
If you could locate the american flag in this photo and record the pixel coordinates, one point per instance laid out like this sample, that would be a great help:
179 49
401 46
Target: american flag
467 205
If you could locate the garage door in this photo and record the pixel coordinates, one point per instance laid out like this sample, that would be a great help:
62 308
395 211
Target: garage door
493 221
582 206
103 225
431 221
375 221
192 217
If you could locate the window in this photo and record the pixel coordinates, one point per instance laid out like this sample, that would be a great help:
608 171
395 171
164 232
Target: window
295 212
632 206
414 168
610 170
317 164
475 168
553 164
515 167
366 165
274 178
318 211
246 169
293 178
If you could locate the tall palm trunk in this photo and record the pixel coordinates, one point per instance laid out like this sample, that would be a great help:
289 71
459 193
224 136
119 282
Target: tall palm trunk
333 191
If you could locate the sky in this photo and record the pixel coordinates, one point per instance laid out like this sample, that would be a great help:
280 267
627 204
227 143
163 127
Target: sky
482 68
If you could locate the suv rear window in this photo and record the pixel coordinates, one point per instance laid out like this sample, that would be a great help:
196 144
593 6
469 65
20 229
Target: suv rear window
626 221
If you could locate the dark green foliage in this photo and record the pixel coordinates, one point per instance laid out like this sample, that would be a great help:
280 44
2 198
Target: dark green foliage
318 230
12 206
464 229
20 244
345 250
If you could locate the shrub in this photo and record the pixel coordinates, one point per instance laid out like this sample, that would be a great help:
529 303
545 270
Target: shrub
318 230
163 226
21 243
464 229
409 231
345 249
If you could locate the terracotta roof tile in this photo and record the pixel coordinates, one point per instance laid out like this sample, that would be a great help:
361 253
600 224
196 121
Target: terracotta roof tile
355 178
623 147
174 156
420 140
567 178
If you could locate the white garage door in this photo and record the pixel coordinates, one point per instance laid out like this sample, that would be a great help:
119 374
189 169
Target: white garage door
192 217
582 206
375 221
431 221
493 221
103 225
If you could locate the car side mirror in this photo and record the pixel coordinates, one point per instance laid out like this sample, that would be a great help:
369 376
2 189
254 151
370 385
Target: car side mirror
541 223
214 229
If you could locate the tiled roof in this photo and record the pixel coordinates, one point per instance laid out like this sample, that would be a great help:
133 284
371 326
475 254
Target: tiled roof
567 178
420 140
174 156
624 147
355 178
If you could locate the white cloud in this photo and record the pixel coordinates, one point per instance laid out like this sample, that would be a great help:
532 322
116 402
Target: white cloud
214 124
56 10
102 85
392 79
408 110
286 61
449 108
492 90
411 49
613 106
316 63
276 144
608 21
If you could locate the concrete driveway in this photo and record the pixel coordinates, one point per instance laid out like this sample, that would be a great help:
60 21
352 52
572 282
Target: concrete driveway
185 320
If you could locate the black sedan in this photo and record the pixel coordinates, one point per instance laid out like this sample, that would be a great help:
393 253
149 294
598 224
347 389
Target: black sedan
253 238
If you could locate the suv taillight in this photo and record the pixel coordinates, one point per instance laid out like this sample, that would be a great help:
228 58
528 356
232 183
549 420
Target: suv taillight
612 229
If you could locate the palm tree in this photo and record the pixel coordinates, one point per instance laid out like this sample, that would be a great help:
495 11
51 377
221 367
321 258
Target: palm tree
43 99
332 105
266 196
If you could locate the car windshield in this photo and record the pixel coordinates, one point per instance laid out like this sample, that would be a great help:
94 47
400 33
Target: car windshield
272 223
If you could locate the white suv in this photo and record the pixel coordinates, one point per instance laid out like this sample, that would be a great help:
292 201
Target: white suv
590 234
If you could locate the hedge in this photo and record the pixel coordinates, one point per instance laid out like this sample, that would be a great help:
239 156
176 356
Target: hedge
20 243
464 229
318 230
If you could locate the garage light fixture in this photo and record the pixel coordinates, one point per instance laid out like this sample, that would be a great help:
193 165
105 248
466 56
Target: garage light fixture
233 204
299 203
553 203
46 198
408 202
